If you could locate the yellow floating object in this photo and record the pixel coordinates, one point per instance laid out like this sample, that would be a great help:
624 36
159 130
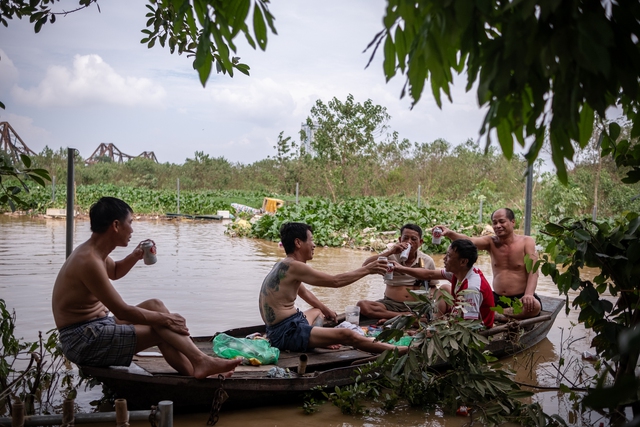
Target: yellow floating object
271 205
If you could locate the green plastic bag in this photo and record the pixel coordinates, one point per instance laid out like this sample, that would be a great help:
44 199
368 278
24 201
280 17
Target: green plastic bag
230 347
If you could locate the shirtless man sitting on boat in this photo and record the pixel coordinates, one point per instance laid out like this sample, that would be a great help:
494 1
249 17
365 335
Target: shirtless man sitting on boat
83 296
396 298
287 327
507 251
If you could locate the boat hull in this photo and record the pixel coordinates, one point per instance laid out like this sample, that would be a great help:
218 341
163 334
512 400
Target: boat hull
149 379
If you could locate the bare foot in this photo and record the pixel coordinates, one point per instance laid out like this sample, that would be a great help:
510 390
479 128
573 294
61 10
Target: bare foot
334 346
214 365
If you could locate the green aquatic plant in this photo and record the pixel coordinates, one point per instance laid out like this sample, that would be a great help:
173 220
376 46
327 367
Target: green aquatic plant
32 372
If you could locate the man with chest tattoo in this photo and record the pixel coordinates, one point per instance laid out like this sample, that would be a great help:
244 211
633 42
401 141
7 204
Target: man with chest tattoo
507 251
287 327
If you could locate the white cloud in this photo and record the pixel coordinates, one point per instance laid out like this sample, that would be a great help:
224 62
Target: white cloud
263 102
8 72
91 81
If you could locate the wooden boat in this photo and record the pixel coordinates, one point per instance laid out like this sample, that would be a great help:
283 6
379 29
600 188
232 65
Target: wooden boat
149 379
188 216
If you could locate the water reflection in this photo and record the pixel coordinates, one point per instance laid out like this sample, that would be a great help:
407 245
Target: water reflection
213 280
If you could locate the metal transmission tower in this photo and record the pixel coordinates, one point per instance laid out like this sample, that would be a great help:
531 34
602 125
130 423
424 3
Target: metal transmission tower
114 153
148 155
308 131
12 144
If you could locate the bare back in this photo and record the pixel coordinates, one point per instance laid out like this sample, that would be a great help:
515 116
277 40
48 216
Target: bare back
72 301
278 293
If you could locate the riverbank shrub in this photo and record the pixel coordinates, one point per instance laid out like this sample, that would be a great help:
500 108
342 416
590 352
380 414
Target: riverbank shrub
614 249
32 372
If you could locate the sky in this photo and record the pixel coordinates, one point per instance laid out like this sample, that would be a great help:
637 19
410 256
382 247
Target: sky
87 79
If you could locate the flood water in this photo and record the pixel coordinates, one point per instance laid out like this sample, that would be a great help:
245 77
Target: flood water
213 280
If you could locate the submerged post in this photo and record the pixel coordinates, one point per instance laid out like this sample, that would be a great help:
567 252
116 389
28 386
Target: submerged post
166 413
68 413
178 195
70 200
17 415
527 201
122 414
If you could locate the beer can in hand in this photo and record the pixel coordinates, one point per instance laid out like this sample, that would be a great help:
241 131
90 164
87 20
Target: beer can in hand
436 236
389 274
149 252
404 255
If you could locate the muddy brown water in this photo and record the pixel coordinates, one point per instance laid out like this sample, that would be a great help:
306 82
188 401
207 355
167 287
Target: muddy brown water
213 280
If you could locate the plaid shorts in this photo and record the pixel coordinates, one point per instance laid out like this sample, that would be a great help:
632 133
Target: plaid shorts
397 306
99 342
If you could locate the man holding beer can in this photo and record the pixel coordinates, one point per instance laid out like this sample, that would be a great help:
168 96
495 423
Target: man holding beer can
405 252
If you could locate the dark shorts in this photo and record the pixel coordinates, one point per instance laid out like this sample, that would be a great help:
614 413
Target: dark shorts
498 303
291 334
99 342
397 306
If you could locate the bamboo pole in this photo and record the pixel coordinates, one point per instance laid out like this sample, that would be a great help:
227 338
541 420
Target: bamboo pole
520 323
122 414
302 364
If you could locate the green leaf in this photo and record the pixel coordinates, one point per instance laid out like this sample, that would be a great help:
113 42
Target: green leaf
389 64
614 130
505 138
554 229
401 48
259 28
585 125
26 160
582 235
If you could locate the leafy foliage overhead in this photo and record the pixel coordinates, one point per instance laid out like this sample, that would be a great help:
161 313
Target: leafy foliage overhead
541 66
205 29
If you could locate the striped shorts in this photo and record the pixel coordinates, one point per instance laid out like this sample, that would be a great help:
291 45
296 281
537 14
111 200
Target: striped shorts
99 342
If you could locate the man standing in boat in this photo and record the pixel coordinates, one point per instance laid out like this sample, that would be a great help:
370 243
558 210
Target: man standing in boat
507 251
396 298
83 296
468 284
287 327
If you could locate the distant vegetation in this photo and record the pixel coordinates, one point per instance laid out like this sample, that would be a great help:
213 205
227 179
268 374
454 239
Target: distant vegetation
353 174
